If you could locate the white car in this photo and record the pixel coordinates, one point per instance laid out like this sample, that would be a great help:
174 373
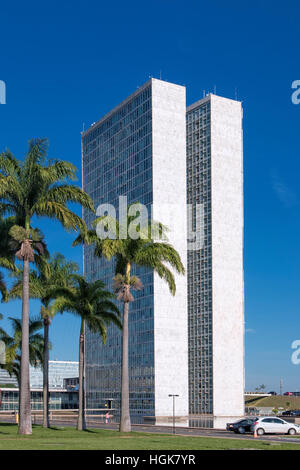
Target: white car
274 425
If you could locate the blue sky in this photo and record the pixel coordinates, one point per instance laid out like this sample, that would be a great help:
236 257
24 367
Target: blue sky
67 63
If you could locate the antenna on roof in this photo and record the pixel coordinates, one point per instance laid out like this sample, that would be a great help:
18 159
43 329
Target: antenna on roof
235 94
215 89
203 93
83 126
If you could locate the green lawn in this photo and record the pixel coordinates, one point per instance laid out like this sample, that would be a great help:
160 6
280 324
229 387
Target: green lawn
275 401
59 438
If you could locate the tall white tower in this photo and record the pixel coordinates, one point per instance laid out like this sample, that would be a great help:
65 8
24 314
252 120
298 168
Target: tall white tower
138 150
215 272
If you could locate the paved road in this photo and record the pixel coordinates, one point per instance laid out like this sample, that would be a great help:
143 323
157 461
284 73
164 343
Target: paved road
200 432
204 433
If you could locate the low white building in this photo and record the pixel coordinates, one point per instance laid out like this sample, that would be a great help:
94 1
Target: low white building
58 371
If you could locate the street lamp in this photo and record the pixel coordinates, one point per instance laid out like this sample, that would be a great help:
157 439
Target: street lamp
173 410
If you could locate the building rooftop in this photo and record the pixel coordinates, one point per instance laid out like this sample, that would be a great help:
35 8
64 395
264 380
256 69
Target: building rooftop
123 103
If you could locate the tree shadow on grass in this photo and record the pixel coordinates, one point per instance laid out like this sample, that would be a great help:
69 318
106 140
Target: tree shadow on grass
89 431
6 425
62 428
51 428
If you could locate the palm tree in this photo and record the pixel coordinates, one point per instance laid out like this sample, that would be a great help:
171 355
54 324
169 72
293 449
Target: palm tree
2 348
13 347
95 306
141 252
6 253
35 187
26 243
51 275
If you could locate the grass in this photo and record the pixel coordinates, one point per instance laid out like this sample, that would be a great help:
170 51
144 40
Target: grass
275 401
59 438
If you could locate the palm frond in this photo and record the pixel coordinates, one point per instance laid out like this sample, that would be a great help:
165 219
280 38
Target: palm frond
58 211
13 343
59 170
9 165
91 301
18 233
37 152
64 194
143 251
86 237
166 274
37 187
3 290
6 263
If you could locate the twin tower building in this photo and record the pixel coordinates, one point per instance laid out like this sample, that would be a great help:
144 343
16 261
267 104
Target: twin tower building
185 164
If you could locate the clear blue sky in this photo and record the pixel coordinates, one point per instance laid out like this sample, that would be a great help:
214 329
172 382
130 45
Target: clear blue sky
67 63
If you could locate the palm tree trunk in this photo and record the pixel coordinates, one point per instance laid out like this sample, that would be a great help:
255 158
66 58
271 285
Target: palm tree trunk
25 426
81 424
19 401
46 376
125 424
